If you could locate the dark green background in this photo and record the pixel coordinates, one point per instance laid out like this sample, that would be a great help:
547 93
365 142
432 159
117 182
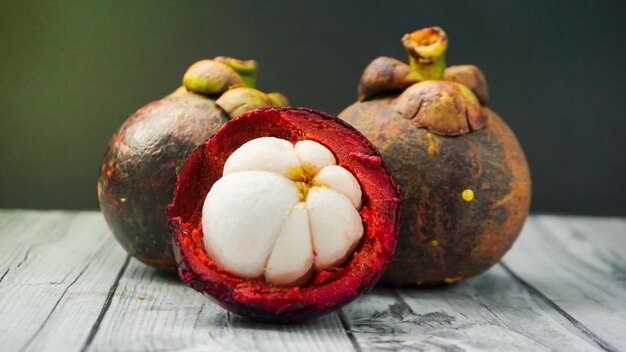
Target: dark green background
71 72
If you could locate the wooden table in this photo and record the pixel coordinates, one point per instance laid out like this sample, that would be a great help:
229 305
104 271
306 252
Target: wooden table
66 285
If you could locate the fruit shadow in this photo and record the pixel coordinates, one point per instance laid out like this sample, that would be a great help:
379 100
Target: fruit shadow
165 276
322 325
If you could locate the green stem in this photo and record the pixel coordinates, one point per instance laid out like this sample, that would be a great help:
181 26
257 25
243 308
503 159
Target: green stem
247 69
427 53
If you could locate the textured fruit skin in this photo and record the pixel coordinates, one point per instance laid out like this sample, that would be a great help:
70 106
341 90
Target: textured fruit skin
328 290
138 171
444 238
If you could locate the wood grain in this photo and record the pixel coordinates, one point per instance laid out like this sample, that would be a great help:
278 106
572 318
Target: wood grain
152 311
53 292
578 265
491 312
66 285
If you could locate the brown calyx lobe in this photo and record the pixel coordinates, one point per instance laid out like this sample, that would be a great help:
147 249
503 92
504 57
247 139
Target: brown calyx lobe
446 108
472 77
383 76
388 76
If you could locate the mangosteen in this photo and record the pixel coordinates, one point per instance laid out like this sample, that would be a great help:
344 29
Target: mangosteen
284 214
138 171
464 176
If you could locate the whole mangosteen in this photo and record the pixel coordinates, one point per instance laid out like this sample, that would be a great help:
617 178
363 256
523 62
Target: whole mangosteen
464 176
138 171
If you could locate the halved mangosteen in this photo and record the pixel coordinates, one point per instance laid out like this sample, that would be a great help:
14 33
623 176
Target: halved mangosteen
284 214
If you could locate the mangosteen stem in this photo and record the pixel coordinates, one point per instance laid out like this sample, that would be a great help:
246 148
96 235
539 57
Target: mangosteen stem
427 53
247 69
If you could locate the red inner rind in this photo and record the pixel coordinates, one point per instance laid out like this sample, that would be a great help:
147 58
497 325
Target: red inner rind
327 290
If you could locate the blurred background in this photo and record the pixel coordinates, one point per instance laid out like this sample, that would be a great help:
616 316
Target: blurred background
71 72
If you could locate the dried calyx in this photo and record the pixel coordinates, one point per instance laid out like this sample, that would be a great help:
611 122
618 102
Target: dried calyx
445 108
282 211
231 81
238 101
470 76
384 75
447 101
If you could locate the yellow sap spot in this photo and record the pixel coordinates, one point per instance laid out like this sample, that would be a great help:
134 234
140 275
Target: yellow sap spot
418 282
434 243
451 280
433 143
141 298
468 195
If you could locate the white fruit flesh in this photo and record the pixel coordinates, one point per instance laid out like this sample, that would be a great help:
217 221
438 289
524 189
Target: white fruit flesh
272 154
335 224
341 180
279 211
242 216
313 156
291 257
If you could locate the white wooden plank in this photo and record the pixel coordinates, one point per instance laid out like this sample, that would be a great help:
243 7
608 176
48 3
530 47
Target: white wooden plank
22 231
54 290
489 313
579 265
153 312
324 334
65 284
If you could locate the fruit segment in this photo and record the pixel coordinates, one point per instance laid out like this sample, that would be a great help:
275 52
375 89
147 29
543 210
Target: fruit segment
242 216
336 226
267 154
340 180
313 156
292 256
280 210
